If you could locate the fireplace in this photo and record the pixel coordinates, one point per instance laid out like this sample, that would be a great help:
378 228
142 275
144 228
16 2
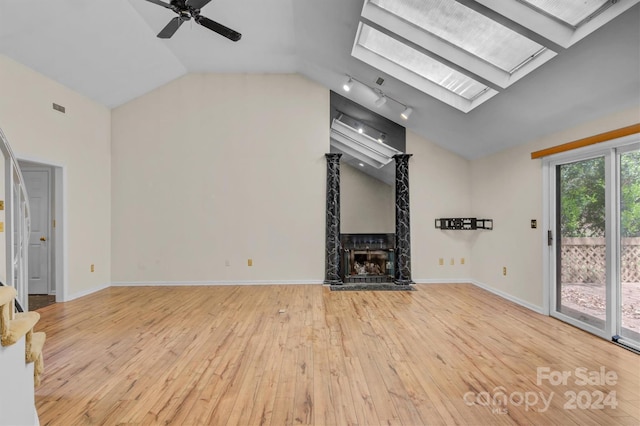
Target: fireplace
367 258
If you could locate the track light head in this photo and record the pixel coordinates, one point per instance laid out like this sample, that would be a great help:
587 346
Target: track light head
406 113
348 85
382 99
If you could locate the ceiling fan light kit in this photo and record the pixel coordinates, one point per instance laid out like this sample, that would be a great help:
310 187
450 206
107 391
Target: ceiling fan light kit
188 9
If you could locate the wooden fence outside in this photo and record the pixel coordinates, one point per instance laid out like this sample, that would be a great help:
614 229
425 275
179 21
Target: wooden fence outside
583 260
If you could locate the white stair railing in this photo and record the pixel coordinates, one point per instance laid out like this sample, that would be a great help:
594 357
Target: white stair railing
17 224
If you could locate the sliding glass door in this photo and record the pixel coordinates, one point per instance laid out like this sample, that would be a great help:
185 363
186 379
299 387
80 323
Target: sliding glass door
594 239
581 292
629 218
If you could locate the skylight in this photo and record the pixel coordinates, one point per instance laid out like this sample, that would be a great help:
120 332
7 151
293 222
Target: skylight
467 29
463 51
563 22
420 63
489 50
419 70
572 12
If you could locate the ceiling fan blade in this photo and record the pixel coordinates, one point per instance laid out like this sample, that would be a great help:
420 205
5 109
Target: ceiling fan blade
171 28
160 3
197 4
218 28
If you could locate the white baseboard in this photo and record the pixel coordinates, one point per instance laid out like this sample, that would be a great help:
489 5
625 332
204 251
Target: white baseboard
211 283
70 297
443 281
535 308
484 286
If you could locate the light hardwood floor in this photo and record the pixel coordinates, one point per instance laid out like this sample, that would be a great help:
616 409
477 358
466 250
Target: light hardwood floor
225 355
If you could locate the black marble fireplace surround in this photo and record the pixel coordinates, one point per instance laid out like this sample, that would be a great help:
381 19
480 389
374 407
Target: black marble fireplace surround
332 246
403 226
370 258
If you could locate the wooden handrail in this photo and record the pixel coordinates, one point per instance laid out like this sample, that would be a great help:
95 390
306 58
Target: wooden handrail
591 140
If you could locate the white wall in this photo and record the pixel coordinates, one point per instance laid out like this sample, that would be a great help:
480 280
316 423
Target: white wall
216 168
211 168
3 250
78 141
17 401
366 204
507 187
439 185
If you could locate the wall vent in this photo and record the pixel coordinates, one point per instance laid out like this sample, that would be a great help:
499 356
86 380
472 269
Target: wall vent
58 107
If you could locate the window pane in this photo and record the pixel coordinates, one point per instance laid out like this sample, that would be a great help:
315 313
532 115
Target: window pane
419 63
582 268
630 245
570 11
467 29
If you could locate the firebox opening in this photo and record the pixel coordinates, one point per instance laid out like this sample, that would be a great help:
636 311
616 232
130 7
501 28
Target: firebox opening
369 263
368 258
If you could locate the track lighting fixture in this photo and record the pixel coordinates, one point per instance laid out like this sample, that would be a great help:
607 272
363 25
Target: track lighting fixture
382 98
348 85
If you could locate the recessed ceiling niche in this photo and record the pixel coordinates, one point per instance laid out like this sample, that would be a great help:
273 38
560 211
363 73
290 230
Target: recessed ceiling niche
366 140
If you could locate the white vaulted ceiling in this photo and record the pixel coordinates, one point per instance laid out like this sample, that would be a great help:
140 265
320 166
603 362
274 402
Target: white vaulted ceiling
108 51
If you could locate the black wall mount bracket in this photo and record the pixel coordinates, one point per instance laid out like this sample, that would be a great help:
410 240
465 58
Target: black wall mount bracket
464 224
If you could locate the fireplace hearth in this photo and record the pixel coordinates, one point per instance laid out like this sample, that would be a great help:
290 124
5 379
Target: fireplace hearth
367 258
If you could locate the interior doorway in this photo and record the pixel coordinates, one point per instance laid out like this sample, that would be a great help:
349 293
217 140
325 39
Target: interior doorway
43 183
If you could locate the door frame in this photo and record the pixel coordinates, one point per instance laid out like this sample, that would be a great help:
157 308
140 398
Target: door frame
634 146
608 150
58 235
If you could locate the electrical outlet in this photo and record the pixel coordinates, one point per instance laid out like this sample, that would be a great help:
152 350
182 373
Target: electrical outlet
93 267
441 261
462 260
452 261
249 262
227 263
504 271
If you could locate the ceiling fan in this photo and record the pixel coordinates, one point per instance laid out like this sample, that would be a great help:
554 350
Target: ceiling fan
187 9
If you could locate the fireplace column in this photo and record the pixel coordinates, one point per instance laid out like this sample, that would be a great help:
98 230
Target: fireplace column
332 263
403 229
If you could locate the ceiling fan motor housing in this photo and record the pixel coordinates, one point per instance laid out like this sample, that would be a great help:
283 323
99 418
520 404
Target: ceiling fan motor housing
191 9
